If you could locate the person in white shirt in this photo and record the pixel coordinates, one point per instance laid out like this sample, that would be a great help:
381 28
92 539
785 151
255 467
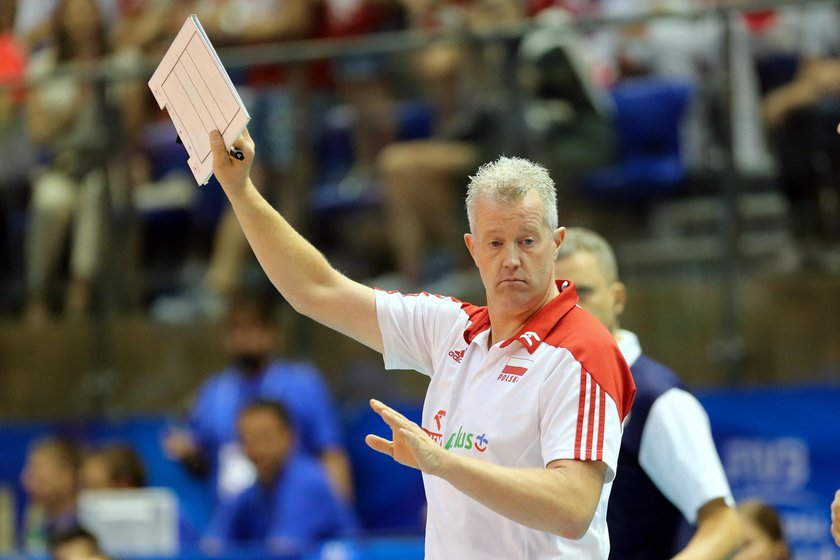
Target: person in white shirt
522 420
669 469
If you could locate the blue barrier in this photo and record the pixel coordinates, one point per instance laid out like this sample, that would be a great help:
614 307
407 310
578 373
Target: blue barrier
780 445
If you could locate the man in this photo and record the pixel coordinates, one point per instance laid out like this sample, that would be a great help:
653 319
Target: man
835 518
668 466
50 480
251 336
291 505
522 419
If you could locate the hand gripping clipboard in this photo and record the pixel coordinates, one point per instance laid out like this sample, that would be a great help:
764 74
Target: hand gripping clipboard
194 87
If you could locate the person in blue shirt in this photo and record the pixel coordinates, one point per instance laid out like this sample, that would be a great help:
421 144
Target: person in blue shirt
291 506
669 471
210 446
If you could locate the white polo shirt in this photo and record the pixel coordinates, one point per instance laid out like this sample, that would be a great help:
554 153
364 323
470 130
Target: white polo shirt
559 389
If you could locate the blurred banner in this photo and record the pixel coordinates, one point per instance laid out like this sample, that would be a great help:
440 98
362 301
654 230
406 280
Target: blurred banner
779 445
782 446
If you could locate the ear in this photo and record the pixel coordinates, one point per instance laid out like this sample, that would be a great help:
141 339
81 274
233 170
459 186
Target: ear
620 296
470 243
559 236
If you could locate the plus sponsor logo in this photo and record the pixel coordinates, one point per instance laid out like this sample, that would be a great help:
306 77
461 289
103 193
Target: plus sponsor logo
467 440
457 355
514 369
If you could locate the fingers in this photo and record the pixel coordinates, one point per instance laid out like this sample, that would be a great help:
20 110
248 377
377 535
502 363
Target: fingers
217 148
391 417
380 444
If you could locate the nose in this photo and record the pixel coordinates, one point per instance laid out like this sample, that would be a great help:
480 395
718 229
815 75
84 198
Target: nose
512 256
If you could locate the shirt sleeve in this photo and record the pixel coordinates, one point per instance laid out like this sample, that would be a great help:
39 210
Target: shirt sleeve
578 419
414 328
679 455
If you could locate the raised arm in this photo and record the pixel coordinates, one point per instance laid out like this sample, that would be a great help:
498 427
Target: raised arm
296 268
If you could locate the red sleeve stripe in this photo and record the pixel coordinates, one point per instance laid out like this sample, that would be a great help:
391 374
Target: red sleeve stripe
592 406
601 413
581 413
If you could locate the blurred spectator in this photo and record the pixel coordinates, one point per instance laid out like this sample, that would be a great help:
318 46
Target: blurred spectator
251 336
362 82
567 113
112 467
50 480
118 466
78 127
764 538
801 116
422 180
75 544
279 98
291 505
14 151
33 23
669 470
835 518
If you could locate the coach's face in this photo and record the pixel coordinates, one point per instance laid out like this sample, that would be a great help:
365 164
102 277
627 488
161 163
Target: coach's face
514 249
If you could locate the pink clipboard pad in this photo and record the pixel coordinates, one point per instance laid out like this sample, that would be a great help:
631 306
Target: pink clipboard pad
193 86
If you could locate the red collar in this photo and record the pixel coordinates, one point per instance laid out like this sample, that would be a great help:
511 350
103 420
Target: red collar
536 329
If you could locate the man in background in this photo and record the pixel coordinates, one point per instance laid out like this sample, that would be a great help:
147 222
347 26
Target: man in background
210 445
669 470
291 504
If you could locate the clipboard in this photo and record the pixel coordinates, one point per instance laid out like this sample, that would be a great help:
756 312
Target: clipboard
193 86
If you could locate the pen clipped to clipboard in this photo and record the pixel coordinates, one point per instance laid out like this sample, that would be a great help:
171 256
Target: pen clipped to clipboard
193 86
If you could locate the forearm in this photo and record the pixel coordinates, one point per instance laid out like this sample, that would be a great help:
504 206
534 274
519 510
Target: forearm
780 103
296 268
559 500
718 534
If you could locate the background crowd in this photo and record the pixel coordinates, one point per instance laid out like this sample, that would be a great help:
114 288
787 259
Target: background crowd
698 137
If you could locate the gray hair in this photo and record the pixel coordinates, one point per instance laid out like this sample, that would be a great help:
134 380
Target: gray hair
508 179
582 239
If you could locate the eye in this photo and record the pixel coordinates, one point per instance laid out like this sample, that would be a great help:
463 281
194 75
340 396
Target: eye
529 241
495 244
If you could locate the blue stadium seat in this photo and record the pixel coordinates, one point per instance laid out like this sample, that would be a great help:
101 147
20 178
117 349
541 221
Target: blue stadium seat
334 158
648 118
